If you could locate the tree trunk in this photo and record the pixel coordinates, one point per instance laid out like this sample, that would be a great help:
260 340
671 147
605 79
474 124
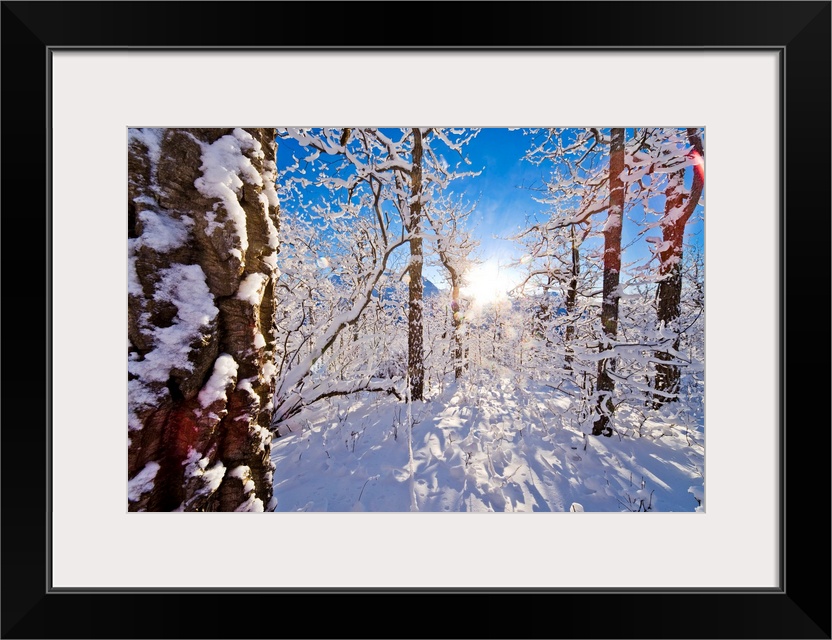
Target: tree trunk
572 298
202 249
415 338
669 293
612 269
543 316
457 325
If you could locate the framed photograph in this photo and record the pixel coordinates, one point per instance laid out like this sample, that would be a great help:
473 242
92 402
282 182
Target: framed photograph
752 78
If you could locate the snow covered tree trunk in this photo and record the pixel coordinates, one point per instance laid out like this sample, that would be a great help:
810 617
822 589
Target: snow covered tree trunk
415 337
612 269
202 250
456 309
572 298
453 246
543 315
669 294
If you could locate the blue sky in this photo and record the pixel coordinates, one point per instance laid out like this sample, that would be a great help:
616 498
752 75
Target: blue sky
503 189
505 194
506 198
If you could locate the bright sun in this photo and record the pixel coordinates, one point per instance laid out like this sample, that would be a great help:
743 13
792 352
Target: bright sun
487 283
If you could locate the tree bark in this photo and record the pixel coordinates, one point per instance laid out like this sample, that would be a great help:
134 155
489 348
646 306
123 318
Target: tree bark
542 321
202 247
456 320
669 292
612 270
572 298
415 337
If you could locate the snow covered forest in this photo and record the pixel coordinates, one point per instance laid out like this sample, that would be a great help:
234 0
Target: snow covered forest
315 323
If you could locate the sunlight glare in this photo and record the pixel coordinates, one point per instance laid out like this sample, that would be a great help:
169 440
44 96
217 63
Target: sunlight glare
487 283
699 164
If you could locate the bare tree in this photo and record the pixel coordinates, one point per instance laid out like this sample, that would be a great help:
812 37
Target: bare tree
372 180
453 244
679 207
611 293
575 191
356 171
415 306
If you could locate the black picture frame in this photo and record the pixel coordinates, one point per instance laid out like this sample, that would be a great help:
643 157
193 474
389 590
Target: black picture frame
799 608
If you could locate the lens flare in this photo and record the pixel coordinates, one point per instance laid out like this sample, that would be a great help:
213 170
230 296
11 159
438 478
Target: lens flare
487 283
699 165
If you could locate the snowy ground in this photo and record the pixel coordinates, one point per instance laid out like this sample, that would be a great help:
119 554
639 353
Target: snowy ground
491 442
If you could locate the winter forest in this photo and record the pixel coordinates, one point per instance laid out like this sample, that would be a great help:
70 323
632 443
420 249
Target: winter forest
416 319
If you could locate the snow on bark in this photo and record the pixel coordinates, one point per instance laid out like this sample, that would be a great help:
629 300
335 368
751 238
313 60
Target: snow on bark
142 482
223 377
611 291
225 166
252 288
163 233
679 207
183 287
202 241
415 330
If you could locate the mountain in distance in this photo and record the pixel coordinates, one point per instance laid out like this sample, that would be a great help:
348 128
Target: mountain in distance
428 288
